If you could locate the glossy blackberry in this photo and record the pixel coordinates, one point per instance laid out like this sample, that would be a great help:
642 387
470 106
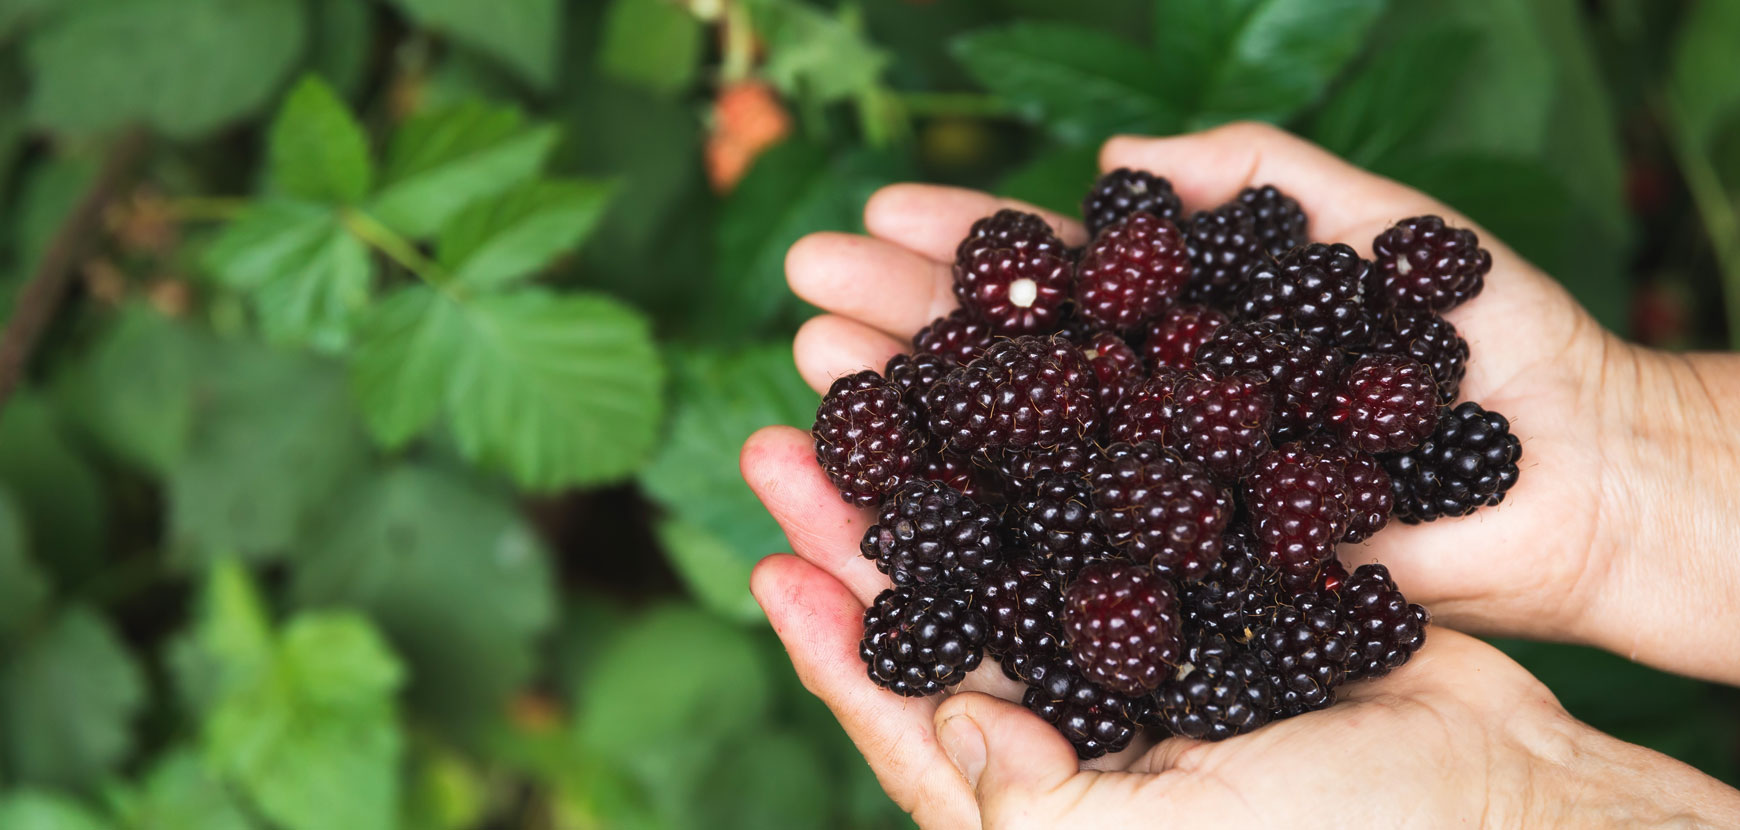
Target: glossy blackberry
1172 339
919 641
1281 224
1298 504
1233 593
927 532
1021 602
1015 291
1010 229
1469 461
1025 391
1384 629
1056 521
1428 338
1116 366
1223 422
961 474
1094 719
1131 272
1148 411
1158 509
1385 403
1424 264
1223 246
915 374
1124 191
1122 626
1221 689
869 440
1318 289
1021 467
957 338
1369 495
1304 649
1303 372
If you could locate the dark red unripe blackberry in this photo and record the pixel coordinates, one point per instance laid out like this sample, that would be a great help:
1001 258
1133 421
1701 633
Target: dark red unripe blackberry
1158 509
1131 272
1055 520
1014 229
1424 264
1281 224
1094 719
1015 291
1303 373
1469 461
919 641
915 374
1385 403
1223 422
1148 412
869 440
1298 504
1172 339
1384 629
1124 191
1235 590
1426 337
1121 622
1224 244
1221 689
927 532
1023 392
1304 648
1318 289
958 338
1022 603
961 474
1116 366
1370 496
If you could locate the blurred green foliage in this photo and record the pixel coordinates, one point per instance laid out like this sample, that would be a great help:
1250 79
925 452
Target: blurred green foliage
381 468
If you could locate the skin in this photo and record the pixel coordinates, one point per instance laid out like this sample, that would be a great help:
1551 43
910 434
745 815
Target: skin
1617 535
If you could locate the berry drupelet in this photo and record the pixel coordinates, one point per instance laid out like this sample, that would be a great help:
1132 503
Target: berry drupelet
869 440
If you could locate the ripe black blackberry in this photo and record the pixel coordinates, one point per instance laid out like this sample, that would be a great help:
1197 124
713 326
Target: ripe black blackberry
1228 598
1015 291
1116 366
915 374
1281 224
1384 629
1469 461
1021 467
1025 391
1094 719
957 338
1223 422
1148 411
1172 340
1426 337
1124 191
1386 403
1304 649
1158 509
1055 520
1318 289
1224 244
1011 229
1122 626
927 532
1298 504
869 440
1021 601
919 641
1303 372
1132 270
1424 264
1220 689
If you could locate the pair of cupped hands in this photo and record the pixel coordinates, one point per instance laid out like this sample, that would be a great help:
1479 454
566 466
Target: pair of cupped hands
1621 533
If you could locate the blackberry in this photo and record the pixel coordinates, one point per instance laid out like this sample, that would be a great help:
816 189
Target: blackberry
1158 509
960 473
1023 466
1318 289
1386 403
1096 720
1021 602
1121 623
1303 372
957 338
927 532
1219 690
1298 504
1010 229
1056 521
1223 246
1025 391
1116 366
1370 497
1424 264
1384 629
918 642
1428 338
1124 191
1172 340
1281 224
869 440
1304 649
1469 461
1223 422
915 374
1236 588
1148 411
1015 291
1131 272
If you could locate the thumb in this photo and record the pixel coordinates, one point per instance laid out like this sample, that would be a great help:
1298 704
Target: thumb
1006 753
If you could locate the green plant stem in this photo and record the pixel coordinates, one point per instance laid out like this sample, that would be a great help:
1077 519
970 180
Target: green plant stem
1720 219
958 104
207 208
396 248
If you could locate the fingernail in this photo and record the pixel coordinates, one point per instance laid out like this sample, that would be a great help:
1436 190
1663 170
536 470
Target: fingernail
965 745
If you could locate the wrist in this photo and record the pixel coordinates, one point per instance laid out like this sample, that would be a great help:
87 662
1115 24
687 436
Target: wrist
1579 777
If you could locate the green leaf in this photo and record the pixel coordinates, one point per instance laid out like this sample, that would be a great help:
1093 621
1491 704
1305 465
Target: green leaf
343 35
818 56
31 810
403 359
18 15
402 546
62 499
317 150
1055 179
132 390
522 34
445 792
1079 83
1705 63
653 43
439 162
774 779
305 274
1376 117
68 697
22 586
180 792
183 66
496 241
50 191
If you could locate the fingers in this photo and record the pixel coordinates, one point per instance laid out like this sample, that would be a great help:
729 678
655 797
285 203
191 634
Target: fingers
779 463
878 283
829 346
1008 756
931 220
